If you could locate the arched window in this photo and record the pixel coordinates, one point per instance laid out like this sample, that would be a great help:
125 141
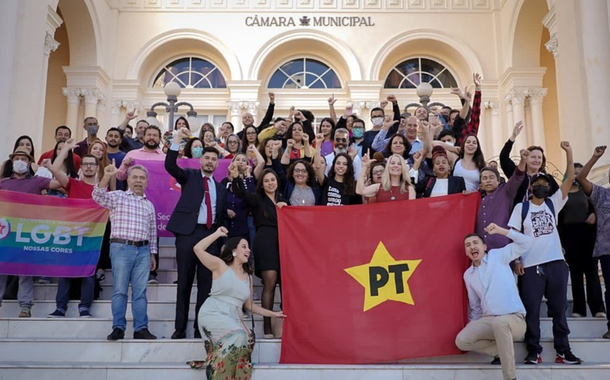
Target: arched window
190 72
304 73
410 73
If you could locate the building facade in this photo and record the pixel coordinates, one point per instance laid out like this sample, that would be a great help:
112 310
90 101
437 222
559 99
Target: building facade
543 61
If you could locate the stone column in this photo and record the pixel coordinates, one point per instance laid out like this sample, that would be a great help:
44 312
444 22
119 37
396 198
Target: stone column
517 99
251 108
537 127
509 116
117 115
73 97
235 114
596 65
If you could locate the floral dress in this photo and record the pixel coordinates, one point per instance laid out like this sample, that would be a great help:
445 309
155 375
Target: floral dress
225 336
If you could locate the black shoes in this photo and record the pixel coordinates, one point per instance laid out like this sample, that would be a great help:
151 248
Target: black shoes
179 334
496 361
533 358
116 334
144 334
567 358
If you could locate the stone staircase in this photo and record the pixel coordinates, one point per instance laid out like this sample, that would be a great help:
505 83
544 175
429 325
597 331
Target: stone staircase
76 348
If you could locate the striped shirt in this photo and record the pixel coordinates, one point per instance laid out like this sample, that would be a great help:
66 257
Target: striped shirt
132 217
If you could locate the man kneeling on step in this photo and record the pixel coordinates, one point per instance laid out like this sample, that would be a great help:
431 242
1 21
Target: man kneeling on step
496 314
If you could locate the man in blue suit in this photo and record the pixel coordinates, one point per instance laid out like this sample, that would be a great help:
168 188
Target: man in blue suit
201 209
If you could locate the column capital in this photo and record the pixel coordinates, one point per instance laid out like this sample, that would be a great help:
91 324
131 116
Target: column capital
493 106
50 45
73 94
536 95
92 95
252 107
516 96
235 107
552 46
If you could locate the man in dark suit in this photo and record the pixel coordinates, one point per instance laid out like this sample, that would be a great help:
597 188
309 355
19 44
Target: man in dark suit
200 211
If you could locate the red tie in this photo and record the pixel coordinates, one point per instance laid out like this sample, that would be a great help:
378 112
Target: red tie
208 203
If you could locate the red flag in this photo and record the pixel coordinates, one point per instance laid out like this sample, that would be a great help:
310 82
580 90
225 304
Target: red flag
374 283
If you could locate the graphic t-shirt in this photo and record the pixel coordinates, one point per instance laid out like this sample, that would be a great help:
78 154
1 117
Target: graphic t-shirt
541 224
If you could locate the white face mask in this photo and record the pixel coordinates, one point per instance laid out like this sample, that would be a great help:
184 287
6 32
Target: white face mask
450 143
377 121
20 167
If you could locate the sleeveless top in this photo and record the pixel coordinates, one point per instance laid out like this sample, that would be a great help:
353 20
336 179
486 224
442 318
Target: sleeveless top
230 289
391 195
471 177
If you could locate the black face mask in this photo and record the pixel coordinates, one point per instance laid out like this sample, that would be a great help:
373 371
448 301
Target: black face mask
540 191
446 117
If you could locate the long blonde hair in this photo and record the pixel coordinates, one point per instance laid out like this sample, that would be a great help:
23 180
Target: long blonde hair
405 177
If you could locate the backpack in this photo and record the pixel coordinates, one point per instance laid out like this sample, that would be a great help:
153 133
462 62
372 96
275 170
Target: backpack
525 207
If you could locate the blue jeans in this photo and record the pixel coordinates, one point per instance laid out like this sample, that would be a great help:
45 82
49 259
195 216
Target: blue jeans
25 294
129 263
86 293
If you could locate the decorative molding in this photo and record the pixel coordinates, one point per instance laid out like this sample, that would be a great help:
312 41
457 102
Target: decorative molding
535 95
73 94
553 45
244 6
516 96
50 45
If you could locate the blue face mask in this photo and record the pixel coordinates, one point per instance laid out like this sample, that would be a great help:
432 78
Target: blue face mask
197 151
357 133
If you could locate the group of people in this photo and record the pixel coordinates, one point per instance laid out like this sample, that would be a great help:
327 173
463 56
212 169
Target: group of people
523 223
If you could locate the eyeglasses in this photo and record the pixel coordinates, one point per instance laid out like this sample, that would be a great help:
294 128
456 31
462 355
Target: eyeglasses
340 140
88 164
378 172
300 170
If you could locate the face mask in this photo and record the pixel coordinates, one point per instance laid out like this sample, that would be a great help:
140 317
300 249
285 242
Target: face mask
377 121
20 167
540 191
450 143
92 129
358 133
446 117
197 151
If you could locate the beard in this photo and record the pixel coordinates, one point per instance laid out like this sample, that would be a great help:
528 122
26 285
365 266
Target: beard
151 144
340 150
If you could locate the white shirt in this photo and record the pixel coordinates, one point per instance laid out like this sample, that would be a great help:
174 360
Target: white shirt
540 224
491 286
441 188
357 162
471 177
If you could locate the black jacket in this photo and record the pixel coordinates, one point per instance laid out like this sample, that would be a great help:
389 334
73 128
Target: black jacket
184 218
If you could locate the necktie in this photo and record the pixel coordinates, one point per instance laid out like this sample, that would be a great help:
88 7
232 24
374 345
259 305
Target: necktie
208 202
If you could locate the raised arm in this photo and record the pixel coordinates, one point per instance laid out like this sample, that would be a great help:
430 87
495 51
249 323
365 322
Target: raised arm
331 108
521 243
361 188
129 116
586 185
569 176
55 167
171 164
285 160
213 263
317 159
507 165
269 114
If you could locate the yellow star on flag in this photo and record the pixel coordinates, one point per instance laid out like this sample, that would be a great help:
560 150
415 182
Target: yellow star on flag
384 278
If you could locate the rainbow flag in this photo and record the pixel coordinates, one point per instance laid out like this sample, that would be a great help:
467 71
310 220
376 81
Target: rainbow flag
49 236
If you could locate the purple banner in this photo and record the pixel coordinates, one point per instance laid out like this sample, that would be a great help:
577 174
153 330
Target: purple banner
164 191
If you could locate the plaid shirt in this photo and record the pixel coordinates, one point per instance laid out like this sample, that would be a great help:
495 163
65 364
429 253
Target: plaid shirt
132 217
460 130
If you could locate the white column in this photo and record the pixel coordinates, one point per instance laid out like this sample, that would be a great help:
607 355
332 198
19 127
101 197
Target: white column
509 116
73 98
117 116
596 61
497 140
251 108
517 98
92 97
235 117
537 127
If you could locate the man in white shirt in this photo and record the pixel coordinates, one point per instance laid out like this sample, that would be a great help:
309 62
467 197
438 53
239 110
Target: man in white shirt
545 271
496 314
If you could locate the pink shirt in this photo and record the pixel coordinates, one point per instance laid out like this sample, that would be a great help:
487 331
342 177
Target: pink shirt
139 155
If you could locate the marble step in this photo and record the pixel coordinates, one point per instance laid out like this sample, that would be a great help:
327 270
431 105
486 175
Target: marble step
101 309
179 371
154 292
96 328
266 351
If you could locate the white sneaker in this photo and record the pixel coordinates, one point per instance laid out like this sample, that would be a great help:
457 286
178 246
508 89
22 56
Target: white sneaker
601 314
576 315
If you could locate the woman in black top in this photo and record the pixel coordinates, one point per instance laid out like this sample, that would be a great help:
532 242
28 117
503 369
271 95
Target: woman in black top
339 188
266 243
